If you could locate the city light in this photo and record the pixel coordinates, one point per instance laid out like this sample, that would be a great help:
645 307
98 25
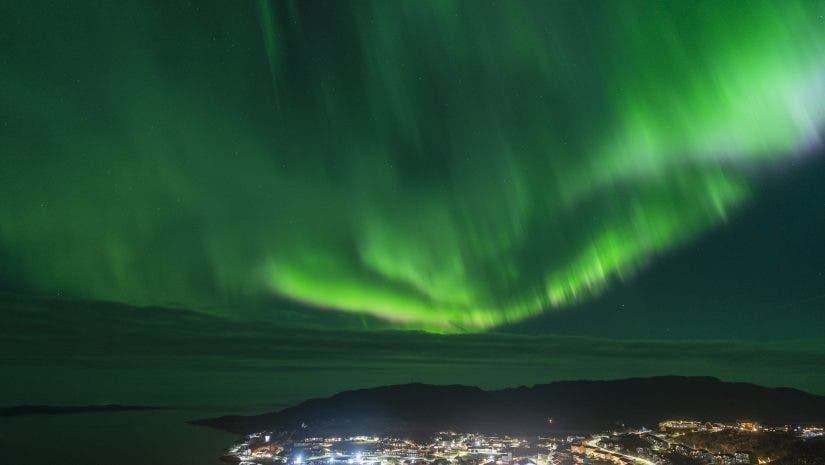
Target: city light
640 446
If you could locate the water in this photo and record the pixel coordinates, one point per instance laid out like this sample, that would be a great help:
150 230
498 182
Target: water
151 437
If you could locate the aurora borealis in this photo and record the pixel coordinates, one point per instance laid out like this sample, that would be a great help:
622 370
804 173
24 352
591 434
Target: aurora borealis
225 207
450 166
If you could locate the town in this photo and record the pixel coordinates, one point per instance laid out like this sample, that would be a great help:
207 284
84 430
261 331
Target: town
676 442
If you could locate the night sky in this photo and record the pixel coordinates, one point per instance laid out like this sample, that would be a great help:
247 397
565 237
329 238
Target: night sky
247 203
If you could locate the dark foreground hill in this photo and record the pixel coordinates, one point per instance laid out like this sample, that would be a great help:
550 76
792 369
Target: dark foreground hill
420 409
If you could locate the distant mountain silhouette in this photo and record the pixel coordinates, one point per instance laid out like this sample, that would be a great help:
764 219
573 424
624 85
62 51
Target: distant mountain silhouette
420 409
21 410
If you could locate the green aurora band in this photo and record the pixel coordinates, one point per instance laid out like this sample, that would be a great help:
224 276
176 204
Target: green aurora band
448 166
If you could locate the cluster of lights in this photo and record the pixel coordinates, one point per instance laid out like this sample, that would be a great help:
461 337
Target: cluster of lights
496 450
359 458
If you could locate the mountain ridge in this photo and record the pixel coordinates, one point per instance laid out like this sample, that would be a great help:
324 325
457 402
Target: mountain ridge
578 405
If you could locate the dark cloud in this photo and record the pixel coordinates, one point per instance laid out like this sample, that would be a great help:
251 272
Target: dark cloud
187 357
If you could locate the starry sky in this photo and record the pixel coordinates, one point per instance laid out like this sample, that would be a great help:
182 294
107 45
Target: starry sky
567 189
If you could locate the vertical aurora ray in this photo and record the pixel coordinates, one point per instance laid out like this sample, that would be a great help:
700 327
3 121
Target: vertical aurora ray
450 167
